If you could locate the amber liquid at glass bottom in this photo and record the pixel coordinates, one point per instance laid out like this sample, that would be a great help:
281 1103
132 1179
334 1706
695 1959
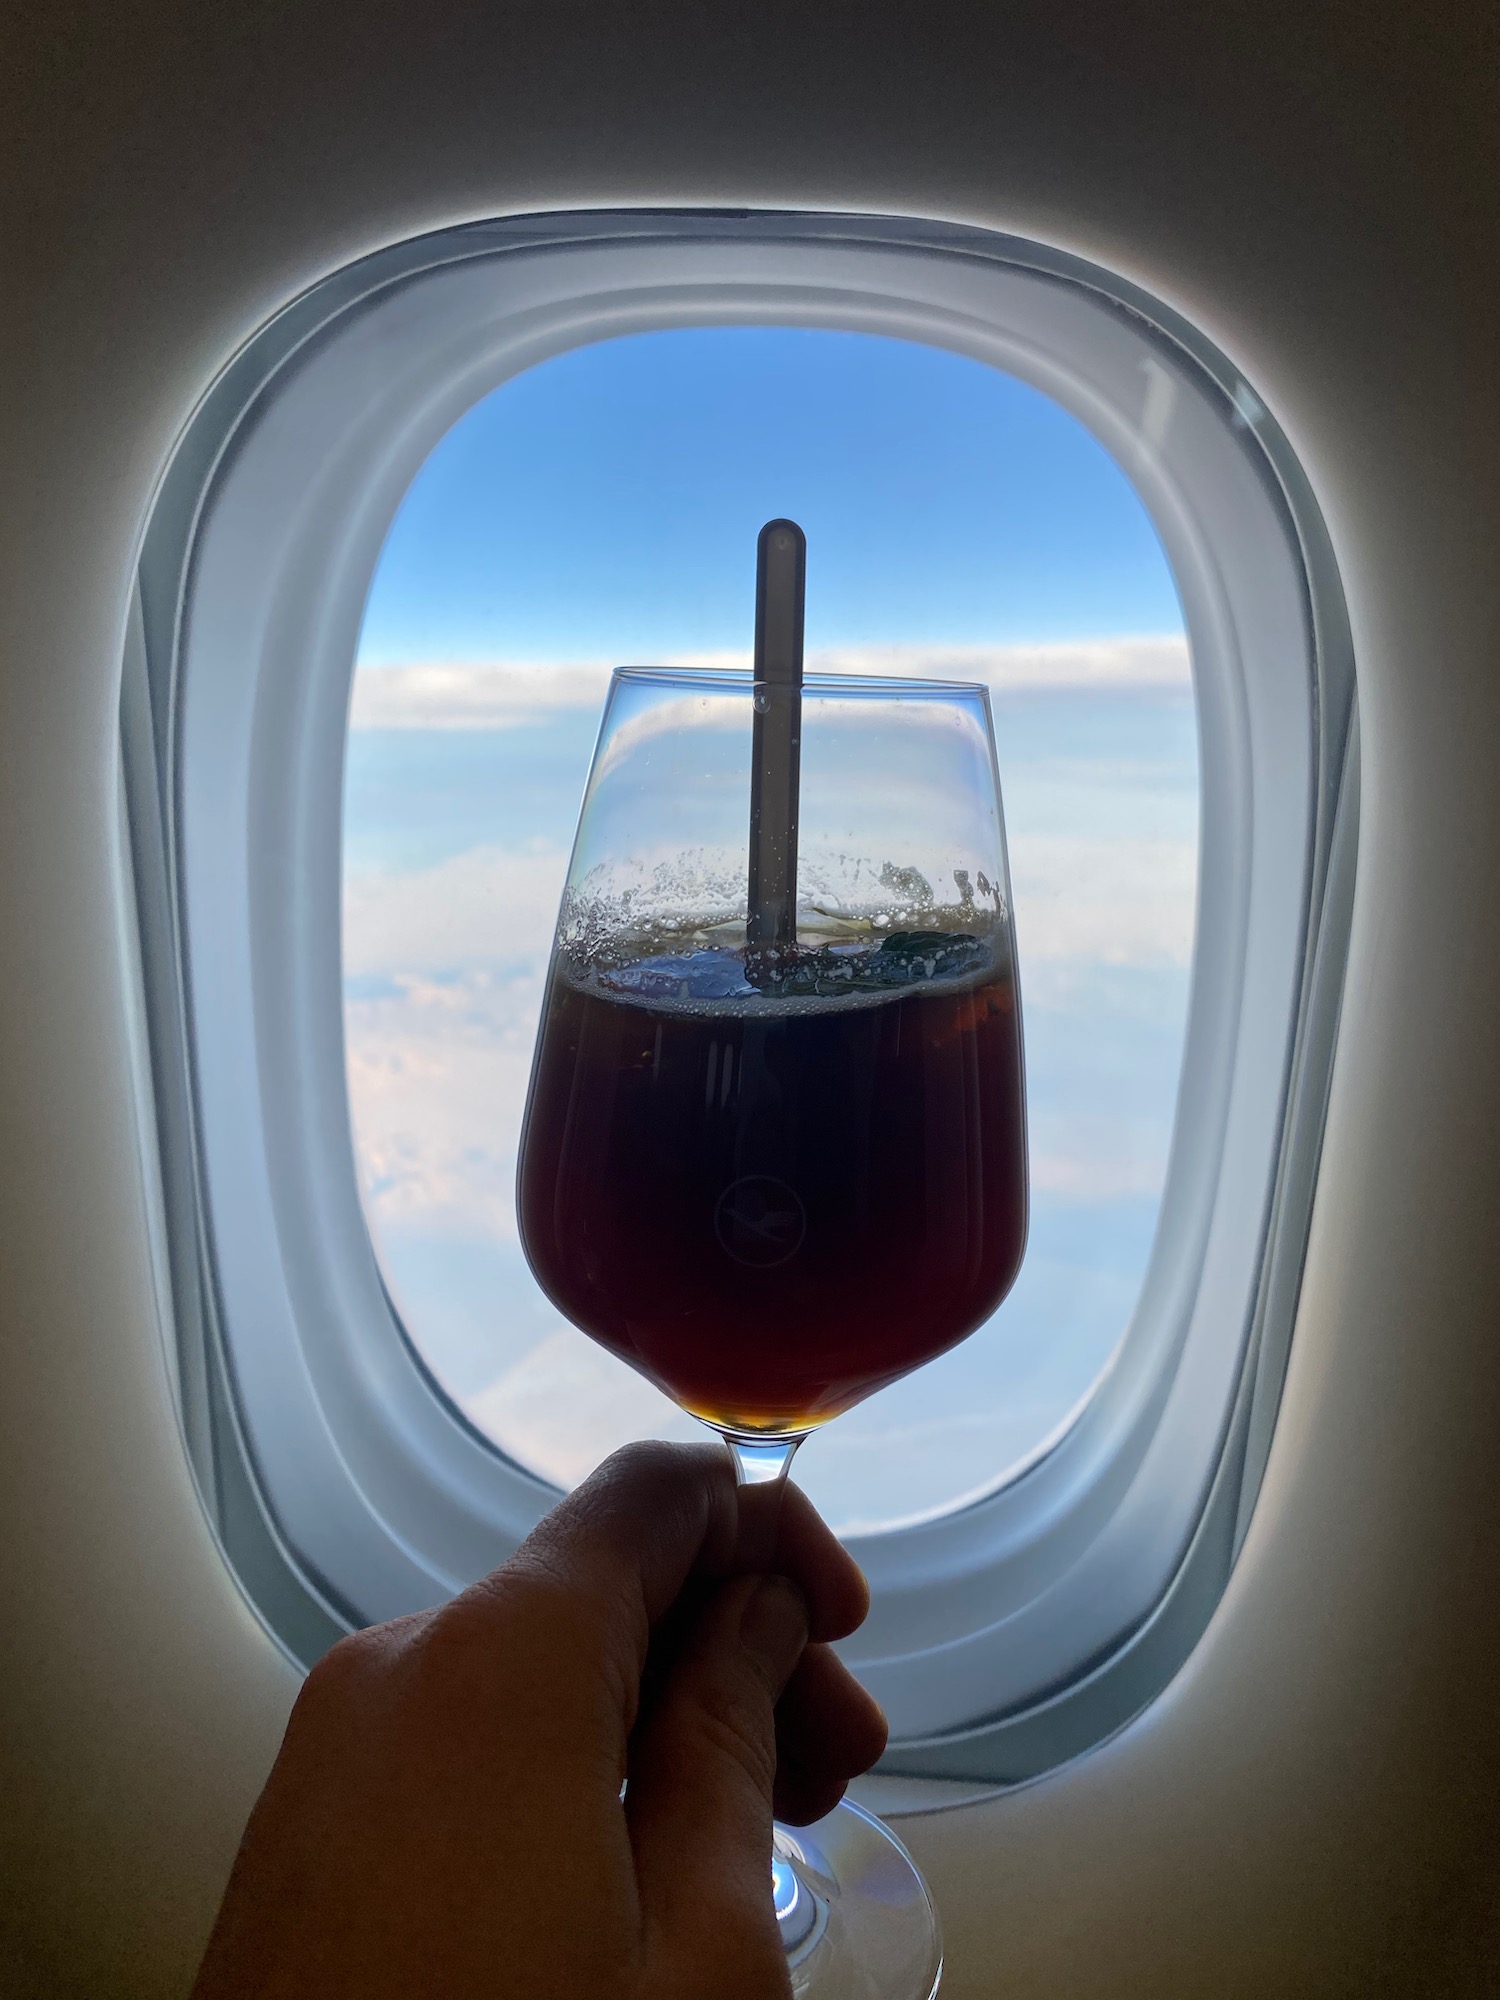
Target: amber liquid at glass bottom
774 1208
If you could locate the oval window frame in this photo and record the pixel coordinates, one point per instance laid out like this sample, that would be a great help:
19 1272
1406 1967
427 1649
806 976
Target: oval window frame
1003 1637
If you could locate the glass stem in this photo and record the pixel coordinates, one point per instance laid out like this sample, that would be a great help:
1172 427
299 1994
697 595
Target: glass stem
760 1461
760 1467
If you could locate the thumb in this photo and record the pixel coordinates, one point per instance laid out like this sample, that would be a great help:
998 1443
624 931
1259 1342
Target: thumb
699 1799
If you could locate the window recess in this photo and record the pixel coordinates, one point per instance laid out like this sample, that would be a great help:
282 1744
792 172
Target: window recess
345 1487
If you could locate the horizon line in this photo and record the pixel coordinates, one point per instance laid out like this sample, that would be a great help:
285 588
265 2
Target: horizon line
505 693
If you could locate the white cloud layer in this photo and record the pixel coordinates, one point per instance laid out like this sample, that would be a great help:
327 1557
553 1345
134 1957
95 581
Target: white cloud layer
439 1062
438 1071
1101 1171
568 1404
1119 902
485 906
505 694
447 964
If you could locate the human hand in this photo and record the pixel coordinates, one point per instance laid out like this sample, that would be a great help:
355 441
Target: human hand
445 1817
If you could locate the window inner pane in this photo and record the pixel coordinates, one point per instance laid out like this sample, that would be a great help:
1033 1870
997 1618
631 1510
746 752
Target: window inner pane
603 508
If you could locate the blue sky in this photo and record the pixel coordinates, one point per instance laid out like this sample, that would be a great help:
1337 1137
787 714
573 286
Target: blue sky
604 507
606 504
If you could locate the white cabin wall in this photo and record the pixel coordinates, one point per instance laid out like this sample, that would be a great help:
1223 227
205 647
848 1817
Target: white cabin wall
1310 1808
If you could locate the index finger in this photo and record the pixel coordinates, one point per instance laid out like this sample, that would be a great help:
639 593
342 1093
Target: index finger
655 1515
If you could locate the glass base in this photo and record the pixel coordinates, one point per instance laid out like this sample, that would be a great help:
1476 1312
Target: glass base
855 1916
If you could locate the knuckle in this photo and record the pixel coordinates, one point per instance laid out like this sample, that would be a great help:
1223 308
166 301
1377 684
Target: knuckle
344 1663
336 1684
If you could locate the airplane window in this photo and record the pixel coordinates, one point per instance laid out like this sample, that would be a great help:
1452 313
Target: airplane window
403 540
602 507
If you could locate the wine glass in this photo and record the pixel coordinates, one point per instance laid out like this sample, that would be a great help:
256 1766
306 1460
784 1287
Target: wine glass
775 1150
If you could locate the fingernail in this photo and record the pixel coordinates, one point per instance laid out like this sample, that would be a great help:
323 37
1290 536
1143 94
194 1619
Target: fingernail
773 1625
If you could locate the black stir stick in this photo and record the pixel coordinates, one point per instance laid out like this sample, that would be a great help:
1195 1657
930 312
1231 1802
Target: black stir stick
776 751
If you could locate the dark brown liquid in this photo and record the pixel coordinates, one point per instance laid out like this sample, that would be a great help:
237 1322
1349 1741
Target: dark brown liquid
775 1209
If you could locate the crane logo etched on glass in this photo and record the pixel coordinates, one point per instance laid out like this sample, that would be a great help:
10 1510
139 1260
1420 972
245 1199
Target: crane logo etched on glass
759 1220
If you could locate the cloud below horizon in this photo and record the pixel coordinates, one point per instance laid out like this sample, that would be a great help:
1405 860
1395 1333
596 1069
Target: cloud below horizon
457 851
